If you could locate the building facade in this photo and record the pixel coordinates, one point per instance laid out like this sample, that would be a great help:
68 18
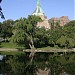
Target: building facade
39 12
62 20
47 23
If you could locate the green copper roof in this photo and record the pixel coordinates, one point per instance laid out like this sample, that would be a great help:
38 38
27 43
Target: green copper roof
38 2
38 10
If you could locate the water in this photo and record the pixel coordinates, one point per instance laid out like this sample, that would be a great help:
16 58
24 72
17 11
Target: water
21 64
1 57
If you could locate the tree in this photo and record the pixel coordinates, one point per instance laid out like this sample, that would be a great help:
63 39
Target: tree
6 29
69 29
0 27
65 42
41 37
1 14
0 1
55 34
69 32
24 32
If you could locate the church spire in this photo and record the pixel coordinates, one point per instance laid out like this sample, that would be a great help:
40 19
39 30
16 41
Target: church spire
38 10
38 3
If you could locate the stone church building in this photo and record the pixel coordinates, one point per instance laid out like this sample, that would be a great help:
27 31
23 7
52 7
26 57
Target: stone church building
39 12
46 23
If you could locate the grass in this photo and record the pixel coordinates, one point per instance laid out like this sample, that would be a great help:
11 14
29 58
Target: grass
46 48
9 45
20 48
11 53
14 46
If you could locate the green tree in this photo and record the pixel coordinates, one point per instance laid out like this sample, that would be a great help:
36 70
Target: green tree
55 34
69 29
24 31
65 42
41 37
6 29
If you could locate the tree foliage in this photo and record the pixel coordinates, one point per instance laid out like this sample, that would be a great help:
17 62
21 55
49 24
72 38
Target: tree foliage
65 42
24 30
6 29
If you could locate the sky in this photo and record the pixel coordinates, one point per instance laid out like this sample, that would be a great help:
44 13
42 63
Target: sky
15 9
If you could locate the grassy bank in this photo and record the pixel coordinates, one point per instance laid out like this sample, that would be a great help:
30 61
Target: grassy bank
11 53
10 45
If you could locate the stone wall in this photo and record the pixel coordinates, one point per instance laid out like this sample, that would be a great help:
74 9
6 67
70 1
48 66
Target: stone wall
44 23
62 20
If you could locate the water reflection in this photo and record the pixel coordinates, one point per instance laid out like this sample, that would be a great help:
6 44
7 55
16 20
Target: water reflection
54 64
1 57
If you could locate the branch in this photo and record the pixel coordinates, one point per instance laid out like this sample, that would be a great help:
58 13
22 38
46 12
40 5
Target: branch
0 1
2 16
0 8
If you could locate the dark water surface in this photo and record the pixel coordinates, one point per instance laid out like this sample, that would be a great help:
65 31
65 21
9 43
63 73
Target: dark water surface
53 64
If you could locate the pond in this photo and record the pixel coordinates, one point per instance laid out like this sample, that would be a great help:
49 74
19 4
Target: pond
42 64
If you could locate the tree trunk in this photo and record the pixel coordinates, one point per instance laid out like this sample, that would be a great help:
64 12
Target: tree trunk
31 56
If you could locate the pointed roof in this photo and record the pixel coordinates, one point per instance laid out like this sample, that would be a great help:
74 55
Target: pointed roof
38 10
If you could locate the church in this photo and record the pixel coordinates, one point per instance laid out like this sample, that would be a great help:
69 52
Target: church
39 12
47 23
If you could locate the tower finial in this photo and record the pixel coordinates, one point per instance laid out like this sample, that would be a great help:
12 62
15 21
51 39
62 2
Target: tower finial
38 10
38 3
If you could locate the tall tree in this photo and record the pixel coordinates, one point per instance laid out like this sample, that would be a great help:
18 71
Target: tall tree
6 29
69 29
24 32
65 42
41 37
55 34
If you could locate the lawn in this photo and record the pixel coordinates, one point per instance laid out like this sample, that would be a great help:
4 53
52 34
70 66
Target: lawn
11 53
9 45
47 48
6 45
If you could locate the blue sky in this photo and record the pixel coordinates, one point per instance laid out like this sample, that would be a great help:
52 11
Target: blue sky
15 9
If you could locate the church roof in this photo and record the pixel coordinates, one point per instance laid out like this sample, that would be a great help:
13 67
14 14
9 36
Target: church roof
38 10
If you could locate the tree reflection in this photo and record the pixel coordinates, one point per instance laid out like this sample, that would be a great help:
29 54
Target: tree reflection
56 65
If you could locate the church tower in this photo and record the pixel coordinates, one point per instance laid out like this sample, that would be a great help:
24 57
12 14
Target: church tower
39 12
